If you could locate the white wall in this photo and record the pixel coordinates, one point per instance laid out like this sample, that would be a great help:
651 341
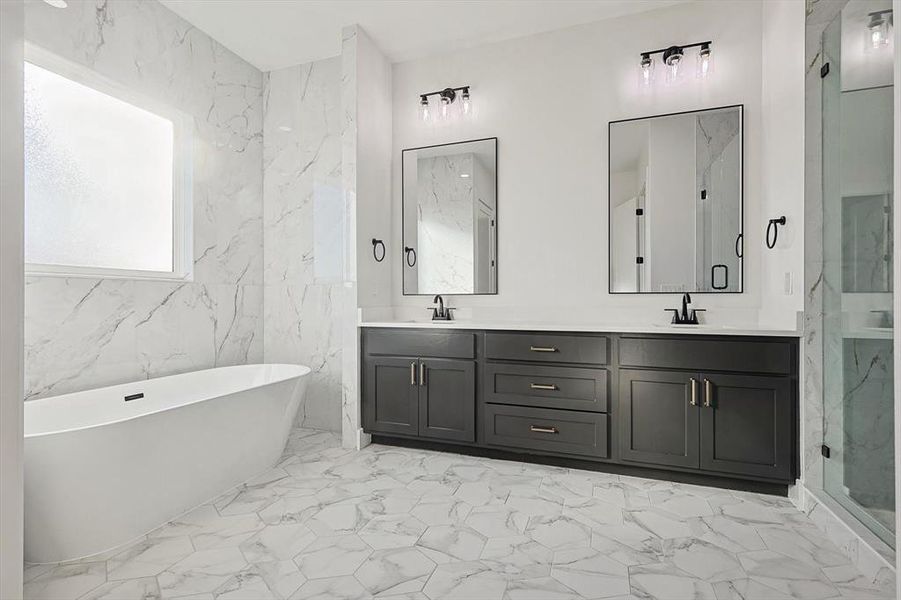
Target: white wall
374 217
549 98
782 176
11 299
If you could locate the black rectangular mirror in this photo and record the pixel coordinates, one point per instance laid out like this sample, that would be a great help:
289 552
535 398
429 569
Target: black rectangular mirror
450 218
675 203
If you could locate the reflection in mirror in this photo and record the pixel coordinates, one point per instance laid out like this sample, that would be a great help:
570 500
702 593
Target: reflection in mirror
675 202
450 218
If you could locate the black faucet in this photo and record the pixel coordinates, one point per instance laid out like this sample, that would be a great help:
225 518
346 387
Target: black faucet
685 316
441 312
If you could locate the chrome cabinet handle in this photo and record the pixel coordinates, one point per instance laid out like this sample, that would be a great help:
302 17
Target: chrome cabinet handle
708 393
694 392
412 373
542 349
543 386
421 373
537 429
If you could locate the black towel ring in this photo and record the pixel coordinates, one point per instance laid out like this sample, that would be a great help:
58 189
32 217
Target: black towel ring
774 227
410 252
375 252
739 243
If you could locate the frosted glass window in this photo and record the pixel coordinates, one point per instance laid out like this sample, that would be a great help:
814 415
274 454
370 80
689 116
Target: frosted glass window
100 182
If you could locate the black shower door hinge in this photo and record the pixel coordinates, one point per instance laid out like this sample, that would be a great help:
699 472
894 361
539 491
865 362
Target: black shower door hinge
639 212
825 451
639 260
824 70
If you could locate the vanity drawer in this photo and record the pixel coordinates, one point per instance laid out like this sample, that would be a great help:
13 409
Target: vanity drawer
749 356
564 431
412 342
568 388
551 348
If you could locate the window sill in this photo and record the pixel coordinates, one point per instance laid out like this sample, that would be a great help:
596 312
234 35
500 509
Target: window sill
123 274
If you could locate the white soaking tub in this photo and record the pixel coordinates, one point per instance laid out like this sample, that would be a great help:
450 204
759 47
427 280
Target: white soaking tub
105 466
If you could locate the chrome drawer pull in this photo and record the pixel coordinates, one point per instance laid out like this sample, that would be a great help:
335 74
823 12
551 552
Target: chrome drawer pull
542 349
543 386
413 373
537 429
694 392
422 373
708 393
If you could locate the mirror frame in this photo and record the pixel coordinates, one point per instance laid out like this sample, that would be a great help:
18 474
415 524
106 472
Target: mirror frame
403 287
741 199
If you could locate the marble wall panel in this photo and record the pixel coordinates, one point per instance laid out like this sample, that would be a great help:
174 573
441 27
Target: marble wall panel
84 333
301 198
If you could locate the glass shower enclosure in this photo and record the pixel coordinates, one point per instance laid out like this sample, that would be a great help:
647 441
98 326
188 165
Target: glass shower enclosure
857 126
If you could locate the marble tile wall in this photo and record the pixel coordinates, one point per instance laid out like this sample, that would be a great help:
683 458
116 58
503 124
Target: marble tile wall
82 333
302 216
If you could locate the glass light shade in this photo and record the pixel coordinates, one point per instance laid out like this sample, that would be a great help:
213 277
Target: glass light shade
445 108
705 63
673 68
878 32
646 72
424 112
467 104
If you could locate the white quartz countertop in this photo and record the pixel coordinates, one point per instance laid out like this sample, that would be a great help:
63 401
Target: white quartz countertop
703 329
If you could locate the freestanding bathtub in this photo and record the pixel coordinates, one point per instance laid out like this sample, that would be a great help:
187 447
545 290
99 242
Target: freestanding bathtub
105 466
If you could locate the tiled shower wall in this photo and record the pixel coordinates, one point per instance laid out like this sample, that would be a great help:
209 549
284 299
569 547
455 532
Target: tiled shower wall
303 230
84 333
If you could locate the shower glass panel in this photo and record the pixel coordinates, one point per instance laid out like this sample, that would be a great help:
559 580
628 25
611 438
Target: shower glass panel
857 271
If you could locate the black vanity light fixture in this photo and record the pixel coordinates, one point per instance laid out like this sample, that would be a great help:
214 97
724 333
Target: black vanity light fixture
673 59
446 99
879 28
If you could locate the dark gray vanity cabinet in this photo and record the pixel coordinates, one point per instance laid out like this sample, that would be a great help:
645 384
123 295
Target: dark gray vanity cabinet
659 423
738 419
420 384
447 397
747 425
391 402
736 424
720 406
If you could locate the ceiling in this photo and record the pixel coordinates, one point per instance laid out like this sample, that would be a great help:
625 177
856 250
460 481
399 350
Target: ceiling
271 34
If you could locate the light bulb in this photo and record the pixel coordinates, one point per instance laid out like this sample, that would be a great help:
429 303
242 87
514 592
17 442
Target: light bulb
445 107
705 62
646 71
467 103
424 109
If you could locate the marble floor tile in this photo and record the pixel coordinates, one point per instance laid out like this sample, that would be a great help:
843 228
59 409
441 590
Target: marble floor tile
330 523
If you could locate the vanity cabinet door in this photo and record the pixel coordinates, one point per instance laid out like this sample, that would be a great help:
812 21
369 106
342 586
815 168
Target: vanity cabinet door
658 423
390 395
746 425
447 399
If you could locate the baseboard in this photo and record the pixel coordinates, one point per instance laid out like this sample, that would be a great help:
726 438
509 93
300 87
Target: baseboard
872 557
